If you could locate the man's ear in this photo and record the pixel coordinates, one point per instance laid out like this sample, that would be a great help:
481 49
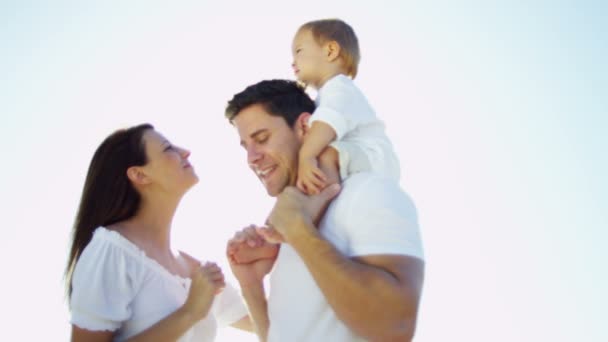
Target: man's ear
332 50
137 175
302 126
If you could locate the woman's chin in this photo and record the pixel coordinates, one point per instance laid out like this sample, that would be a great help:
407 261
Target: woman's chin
194 181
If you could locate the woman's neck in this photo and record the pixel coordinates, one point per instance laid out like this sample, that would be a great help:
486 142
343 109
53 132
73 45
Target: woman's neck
150 228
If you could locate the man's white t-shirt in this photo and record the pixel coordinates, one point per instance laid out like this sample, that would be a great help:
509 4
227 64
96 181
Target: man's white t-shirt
361 138
116 287
371 215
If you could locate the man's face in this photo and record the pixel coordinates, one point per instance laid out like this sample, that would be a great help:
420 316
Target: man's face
272 147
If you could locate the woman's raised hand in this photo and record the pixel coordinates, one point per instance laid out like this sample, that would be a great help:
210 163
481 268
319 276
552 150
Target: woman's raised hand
207 280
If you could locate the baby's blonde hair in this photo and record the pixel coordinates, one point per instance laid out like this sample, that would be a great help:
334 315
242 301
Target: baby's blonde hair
327 30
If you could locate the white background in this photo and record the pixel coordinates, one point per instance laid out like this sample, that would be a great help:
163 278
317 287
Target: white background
498 112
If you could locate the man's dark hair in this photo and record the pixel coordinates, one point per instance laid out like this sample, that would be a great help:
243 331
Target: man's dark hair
279 97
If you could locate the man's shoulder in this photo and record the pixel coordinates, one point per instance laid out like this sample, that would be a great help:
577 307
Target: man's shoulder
373 212
368 188
362 181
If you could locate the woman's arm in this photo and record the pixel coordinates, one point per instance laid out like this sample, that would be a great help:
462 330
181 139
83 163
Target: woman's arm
207 280
244 323
168 329
79 334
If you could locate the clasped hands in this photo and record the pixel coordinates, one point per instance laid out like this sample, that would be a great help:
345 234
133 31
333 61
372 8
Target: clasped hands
293 214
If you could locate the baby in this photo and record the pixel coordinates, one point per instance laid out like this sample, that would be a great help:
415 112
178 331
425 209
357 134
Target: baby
326 57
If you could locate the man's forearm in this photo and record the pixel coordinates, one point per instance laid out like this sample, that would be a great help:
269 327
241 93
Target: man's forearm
373 302
255 297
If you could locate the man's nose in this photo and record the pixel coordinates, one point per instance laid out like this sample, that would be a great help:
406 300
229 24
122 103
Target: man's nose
253 155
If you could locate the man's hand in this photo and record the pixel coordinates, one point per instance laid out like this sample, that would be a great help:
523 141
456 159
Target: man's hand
294 210
246 246
250 256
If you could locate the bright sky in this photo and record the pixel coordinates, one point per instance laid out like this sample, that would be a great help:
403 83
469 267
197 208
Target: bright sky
498 112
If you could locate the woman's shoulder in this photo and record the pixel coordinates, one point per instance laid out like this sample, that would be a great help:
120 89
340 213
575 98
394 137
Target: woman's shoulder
110 241
109 252
106 278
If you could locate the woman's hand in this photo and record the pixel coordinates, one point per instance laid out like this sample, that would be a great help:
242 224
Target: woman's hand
206 281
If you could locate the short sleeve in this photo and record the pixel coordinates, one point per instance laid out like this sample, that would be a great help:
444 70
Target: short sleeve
104 283
334 118
228 306
383 220
338 106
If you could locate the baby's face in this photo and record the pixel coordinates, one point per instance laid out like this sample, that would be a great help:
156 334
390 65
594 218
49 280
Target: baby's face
309 58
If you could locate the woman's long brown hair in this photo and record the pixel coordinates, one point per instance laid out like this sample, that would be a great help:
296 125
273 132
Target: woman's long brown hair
108 195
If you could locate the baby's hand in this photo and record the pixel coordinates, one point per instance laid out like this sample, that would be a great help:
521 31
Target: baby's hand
311 180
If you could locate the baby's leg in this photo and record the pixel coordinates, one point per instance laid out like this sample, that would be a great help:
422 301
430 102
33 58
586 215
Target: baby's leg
329 163
352 158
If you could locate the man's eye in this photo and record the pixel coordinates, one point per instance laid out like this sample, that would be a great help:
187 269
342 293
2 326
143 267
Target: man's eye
170 147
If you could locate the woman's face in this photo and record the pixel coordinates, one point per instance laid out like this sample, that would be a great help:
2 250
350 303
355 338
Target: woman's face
168 167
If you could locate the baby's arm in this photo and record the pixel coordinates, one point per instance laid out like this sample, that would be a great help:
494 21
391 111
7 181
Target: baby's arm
316 168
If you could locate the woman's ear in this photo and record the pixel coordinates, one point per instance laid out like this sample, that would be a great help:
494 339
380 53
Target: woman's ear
332 49
137 175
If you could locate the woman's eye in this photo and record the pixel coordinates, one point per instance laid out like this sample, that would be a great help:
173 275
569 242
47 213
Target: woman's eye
168 148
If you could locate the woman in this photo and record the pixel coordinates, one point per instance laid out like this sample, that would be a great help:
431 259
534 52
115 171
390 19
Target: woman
123 280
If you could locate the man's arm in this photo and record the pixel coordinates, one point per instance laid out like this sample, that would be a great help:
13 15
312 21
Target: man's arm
250 273
376 296
255 297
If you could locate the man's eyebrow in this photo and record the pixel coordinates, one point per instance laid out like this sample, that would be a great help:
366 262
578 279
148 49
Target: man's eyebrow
254 134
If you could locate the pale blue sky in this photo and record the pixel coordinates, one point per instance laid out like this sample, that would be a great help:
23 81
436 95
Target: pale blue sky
498 111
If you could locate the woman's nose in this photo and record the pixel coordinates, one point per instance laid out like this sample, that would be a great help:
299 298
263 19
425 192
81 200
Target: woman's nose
184 153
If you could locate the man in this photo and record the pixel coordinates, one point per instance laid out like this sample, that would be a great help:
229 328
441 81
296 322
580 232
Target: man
355 273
